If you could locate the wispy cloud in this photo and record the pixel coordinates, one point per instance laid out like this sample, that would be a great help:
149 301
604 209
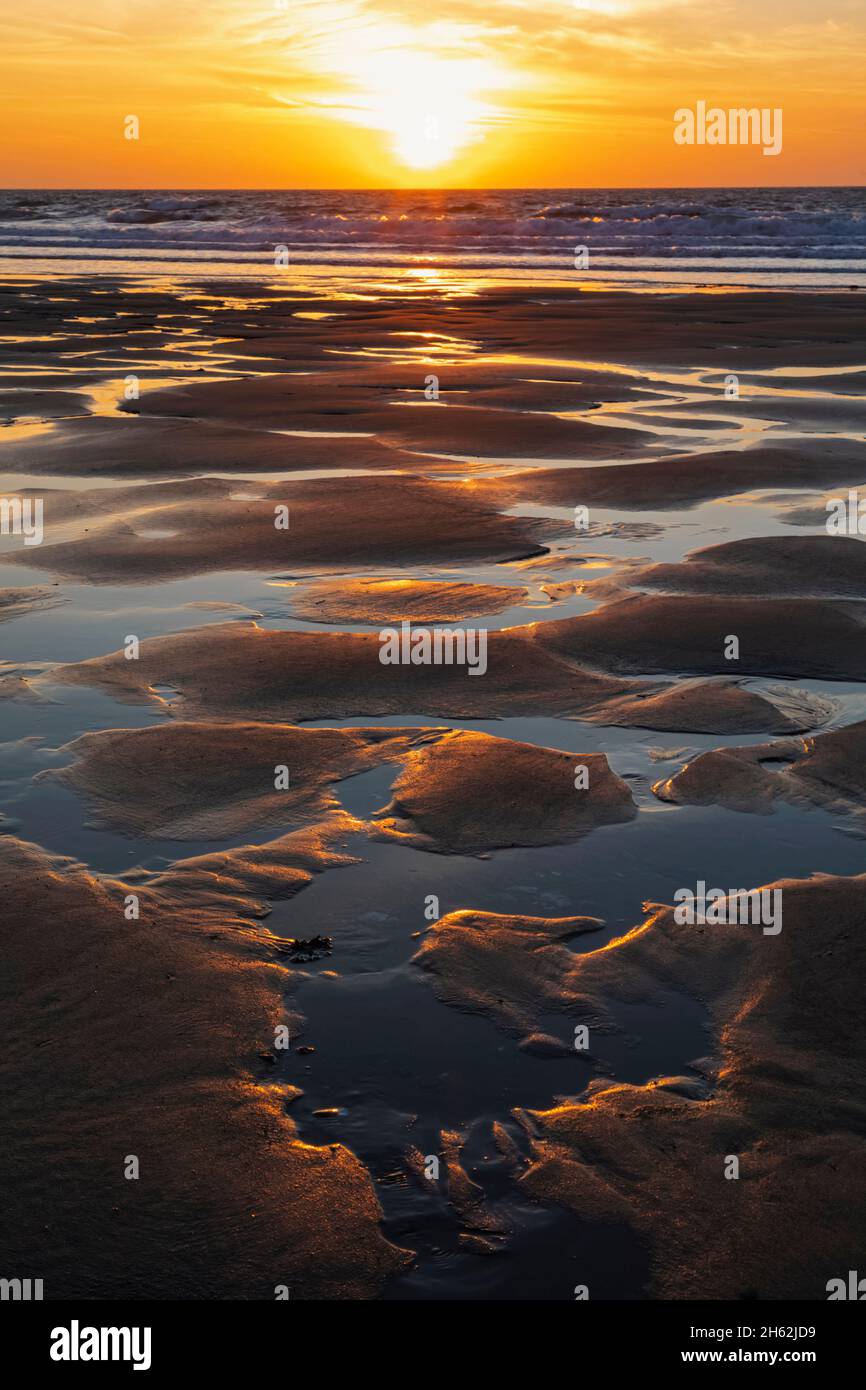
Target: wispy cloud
356 79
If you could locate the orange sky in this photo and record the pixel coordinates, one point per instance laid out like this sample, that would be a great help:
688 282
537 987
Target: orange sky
422 93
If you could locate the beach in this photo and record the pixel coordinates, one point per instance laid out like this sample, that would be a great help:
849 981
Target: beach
373 965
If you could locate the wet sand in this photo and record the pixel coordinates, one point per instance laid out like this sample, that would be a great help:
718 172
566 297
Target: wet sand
236 499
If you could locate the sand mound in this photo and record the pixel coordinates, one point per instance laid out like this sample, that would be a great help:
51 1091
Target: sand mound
469 793
139 1038
514 970
715 706
502 426
344 523
110 446
188 781
392 600
786 1103
683 480
777 637
828 770
787 566
15 602
237 670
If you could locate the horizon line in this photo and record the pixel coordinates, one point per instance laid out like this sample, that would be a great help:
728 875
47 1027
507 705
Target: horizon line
400 188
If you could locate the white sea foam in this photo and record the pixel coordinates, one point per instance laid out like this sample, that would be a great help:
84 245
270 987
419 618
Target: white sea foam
802 237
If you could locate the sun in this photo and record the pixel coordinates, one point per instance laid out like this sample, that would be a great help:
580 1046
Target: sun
428 103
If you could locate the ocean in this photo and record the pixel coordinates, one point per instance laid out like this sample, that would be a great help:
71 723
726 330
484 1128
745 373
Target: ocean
797 238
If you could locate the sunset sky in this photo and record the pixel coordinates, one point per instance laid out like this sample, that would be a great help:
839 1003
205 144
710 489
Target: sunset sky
414 93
